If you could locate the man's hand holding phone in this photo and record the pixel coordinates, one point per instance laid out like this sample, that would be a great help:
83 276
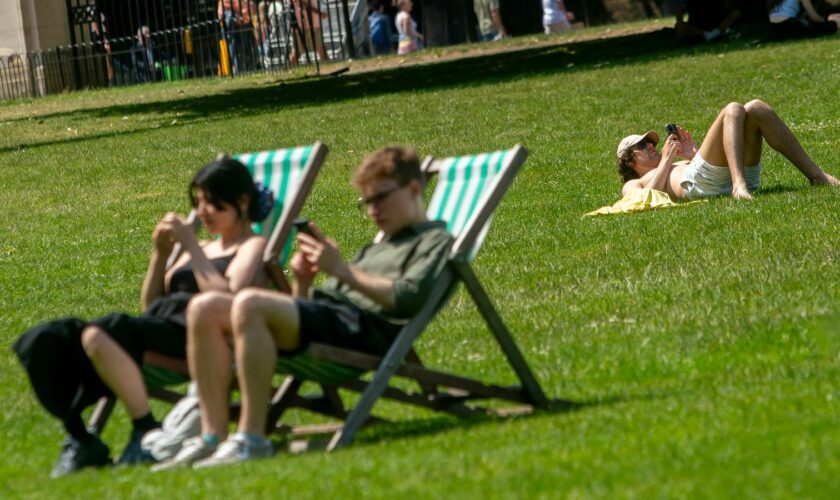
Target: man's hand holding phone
688 148
322 253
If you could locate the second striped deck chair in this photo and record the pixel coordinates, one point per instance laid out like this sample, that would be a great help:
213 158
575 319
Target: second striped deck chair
468 190
289 174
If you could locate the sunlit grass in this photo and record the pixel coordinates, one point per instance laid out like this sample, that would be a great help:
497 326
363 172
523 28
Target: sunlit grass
702 341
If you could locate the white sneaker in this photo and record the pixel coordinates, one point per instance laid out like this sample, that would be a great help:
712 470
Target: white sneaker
236 449
182 423
193 450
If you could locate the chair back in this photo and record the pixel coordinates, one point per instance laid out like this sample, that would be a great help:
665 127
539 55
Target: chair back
289 174
467 192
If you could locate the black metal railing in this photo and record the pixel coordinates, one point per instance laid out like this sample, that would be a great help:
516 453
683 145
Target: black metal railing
126 42
275 39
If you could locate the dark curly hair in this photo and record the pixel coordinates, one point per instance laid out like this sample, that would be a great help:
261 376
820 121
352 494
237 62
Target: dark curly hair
223 181
625 164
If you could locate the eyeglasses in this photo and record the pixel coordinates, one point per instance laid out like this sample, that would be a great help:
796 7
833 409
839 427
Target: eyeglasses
377 198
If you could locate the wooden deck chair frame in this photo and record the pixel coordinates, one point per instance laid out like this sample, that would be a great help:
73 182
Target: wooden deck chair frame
401 360
273 257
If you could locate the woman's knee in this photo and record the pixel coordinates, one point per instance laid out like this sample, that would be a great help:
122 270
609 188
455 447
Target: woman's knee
93 340
252 304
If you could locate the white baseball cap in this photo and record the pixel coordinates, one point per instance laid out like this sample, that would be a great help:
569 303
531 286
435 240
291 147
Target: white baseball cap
632 140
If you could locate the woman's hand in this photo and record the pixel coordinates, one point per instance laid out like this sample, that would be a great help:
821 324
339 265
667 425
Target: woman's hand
162 238
688 148
180 230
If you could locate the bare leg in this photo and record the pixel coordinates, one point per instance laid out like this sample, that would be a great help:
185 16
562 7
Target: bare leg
725 145
780 138
733 146
117 369
263 321
209 356
735 140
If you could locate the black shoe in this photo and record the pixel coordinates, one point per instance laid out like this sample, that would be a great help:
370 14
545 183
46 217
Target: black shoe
134 453
76 455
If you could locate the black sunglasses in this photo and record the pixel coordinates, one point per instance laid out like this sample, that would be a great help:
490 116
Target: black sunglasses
642 145
377 198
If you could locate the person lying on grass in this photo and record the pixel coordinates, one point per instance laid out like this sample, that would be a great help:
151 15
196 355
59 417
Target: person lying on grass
361 306
728 161
72 363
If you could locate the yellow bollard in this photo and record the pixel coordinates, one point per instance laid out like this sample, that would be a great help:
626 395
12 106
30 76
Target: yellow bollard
224 58
187 35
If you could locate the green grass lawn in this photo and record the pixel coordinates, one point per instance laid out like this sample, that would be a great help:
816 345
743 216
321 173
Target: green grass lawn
703 343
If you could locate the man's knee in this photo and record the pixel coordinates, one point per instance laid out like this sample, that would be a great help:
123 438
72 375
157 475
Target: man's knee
93 338
249 304
757 107
734 110
208 304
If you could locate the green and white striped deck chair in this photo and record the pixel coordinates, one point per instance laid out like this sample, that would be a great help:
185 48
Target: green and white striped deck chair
289 174
468 190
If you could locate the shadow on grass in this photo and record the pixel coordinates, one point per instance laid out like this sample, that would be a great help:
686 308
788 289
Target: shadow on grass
387 430
779 189
468 71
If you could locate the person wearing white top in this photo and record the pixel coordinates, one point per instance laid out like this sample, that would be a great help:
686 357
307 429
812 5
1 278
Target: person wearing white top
789 21
556 18
409 38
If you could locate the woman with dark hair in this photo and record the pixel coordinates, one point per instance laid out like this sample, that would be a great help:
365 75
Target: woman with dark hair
72 363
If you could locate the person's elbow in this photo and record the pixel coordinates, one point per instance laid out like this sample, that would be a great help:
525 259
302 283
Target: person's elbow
406 299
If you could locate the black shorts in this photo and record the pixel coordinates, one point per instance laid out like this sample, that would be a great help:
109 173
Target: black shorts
62 375
341 325
138 334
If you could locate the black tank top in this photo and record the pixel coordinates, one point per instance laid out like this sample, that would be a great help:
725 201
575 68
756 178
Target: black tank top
182 286
183 278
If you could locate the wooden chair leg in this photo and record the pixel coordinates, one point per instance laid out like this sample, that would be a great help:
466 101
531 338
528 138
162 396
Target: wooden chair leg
390 363
100 414
425 388
281 401
506 342
332 396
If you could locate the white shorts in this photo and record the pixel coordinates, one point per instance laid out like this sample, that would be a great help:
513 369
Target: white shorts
558 27
702 179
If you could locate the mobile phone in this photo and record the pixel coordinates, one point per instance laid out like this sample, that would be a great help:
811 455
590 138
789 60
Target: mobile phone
302 225
671 128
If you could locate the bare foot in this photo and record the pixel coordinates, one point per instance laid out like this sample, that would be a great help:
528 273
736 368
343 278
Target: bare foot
741 193
825 180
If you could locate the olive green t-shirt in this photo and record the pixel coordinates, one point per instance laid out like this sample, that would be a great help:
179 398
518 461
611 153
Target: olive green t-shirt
412 257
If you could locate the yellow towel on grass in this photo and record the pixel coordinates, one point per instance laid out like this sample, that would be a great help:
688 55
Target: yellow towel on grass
640 200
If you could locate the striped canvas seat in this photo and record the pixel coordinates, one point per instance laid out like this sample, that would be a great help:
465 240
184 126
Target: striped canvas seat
463 187
281 171
467 192
301 366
